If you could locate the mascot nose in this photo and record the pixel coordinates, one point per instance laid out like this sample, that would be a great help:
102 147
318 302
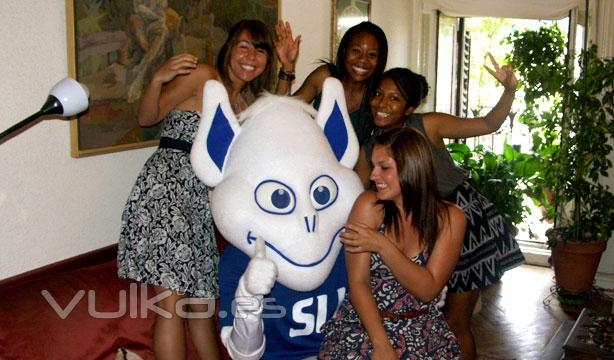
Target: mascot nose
310 223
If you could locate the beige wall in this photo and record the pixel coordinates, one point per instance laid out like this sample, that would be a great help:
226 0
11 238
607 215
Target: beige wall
53 206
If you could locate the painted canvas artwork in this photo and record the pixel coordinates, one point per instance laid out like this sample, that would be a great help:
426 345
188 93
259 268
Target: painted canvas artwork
114 46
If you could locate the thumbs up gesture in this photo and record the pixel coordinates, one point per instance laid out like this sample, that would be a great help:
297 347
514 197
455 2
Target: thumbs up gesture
261 273
246 336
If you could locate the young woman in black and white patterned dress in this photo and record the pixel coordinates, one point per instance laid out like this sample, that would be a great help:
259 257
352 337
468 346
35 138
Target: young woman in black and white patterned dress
167 238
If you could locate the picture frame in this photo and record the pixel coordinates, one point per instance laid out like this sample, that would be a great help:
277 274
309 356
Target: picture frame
345 14
114 47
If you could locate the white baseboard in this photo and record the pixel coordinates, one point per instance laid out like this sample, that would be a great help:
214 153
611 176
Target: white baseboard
604 280
535 255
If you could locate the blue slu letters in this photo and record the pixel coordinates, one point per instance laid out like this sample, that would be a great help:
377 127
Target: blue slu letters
292 319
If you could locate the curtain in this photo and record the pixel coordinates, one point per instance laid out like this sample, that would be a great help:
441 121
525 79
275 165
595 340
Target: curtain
605 31
524 9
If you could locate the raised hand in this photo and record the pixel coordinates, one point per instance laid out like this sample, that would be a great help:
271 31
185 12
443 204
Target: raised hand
505 74
177 65
286 46
261 273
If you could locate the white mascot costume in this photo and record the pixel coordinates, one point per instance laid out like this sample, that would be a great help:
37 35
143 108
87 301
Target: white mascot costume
284 187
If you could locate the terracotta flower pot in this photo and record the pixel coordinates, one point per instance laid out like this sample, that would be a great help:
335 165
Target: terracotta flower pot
575 264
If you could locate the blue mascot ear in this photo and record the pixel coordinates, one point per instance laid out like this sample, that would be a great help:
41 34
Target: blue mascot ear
334 120
219 138
217 130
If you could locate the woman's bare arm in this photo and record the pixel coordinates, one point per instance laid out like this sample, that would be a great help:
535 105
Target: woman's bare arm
312 86
176 84
424 282
366 211
439 126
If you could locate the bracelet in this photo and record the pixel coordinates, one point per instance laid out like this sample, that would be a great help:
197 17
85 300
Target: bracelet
286 75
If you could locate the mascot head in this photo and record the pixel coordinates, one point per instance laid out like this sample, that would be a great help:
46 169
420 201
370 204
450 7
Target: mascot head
284 174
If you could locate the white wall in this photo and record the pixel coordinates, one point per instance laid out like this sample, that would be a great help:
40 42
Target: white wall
393 16
312 21
54 206
605 42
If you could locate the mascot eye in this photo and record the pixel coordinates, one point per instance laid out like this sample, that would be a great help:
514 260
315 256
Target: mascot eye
275 197
324 192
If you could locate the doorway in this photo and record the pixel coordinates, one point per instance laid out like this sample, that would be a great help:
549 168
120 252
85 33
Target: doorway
464 88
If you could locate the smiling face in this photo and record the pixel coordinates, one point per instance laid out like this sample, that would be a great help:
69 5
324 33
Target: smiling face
361 56
246 62
385 175
388 106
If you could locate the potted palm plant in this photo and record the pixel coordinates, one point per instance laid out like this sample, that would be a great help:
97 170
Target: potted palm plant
574 137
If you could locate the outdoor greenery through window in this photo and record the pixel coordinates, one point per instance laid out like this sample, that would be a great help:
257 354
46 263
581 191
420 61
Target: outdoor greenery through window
492 158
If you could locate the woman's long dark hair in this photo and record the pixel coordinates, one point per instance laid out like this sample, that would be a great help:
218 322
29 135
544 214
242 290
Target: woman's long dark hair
412 154
261 39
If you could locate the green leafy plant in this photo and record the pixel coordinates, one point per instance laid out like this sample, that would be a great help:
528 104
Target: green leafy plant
539 58
572 135
502 178
587 130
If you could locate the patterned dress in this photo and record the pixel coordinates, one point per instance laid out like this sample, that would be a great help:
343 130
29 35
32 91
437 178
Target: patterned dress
426 336
489 248
167 236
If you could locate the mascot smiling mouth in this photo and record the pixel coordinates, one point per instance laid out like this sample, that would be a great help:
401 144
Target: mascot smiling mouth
251 238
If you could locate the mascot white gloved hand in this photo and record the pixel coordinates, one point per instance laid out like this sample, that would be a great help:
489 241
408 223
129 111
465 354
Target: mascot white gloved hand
284 187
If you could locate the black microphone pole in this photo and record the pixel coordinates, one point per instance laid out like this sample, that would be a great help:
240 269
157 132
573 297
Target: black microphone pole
51 106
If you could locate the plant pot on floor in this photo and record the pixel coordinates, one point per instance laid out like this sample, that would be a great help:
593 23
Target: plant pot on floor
575 264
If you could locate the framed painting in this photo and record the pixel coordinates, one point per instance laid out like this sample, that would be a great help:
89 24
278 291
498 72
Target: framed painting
345 14
114 46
